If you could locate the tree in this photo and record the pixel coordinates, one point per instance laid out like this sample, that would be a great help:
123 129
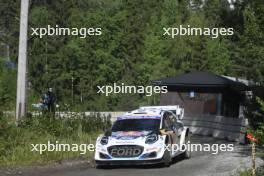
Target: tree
250 61
218 57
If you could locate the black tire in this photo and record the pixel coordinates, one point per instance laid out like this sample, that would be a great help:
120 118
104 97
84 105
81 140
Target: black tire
99 166
167 155
187 153
167 159
102 167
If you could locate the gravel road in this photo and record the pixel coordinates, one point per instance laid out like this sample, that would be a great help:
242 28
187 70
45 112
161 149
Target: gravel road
200 164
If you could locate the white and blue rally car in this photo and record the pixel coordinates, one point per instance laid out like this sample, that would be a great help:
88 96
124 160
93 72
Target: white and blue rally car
143 136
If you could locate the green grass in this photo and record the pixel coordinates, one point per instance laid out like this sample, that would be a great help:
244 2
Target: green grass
245 173
260 154
259 172
15 141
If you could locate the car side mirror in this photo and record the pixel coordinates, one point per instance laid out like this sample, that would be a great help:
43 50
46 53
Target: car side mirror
108 132
162 131
167 129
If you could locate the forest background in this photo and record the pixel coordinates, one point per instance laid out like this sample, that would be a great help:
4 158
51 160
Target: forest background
131 49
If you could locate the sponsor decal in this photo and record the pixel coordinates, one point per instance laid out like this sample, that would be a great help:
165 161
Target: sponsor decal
128 135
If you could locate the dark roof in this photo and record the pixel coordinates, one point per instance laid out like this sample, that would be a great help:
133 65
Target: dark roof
198 79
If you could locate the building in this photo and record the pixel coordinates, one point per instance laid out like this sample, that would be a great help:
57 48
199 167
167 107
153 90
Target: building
213 104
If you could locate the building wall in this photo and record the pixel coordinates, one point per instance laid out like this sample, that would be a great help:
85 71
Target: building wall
201 103
232 129
212 114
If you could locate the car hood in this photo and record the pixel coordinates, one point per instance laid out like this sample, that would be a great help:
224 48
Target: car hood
129 135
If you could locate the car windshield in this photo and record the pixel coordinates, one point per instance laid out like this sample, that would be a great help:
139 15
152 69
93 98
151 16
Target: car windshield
136 125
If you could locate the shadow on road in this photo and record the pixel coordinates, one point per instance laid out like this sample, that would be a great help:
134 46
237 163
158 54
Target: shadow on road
149 166
240 151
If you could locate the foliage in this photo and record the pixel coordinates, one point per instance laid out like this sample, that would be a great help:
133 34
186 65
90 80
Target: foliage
132 48
256 114
259 172
15 146
7 86
259 133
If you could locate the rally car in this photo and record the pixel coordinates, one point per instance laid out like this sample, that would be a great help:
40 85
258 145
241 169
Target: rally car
144 136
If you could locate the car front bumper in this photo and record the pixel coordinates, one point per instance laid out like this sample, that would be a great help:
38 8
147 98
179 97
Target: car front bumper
127 162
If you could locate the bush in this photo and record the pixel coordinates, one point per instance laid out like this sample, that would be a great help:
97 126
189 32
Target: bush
259 172
15 145
256 120
259 132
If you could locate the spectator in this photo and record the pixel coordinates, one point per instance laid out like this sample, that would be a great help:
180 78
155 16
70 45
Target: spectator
50 100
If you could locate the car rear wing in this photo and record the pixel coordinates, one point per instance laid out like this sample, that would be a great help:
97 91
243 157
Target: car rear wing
176 109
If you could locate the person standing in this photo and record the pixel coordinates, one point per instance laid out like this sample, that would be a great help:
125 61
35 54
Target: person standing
51 101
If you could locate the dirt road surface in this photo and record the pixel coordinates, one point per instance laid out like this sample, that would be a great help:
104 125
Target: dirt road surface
200 164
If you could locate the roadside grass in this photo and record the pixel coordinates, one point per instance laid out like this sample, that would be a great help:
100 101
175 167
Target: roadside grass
15 141
259 172
260 154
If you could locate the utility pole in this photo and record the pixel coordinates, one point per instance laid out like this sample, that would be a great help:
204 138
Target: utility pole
22 62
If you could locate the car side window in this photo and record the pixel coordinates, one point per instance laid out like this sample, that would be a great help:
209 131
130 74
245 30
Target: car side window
172 118
167 123
176 125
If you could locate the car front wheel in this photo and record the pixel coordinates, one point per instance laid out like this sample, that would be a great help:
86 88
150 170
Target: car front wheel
187 152
167 158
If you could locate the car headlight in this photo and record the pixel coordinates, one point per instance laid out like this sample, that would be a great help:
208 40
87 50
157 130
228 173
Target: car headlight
104 140
151 139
